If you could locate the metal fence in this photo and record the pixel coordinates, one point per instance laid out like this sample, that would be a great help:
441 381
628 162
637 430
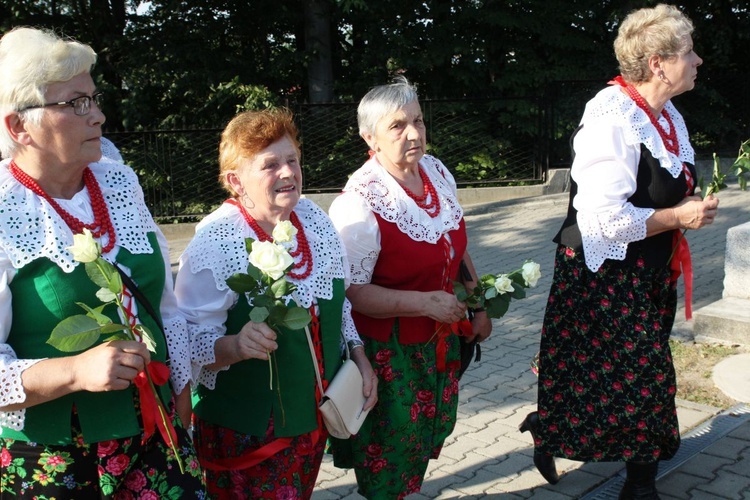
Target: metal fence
482 142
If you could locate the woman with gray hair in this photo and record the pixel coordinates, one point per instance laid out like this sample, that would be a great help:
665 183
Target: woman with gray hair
76 426
606 379
405 239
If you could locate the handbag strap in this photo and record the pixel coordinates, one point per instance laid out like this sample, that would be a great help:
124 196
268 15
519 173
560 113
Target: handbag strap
140 297
315 359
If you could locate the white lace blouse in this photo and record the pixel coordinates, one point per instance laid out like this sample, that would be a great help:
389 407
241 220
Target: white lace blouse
47 237
607 153
218 251
372 190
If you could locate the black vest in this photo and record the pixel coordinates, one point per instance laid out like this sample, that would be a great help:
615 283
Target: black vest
655 188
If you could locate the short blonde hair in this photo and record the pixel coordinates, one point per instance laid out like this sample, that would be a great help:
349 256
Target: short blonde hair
659 31
249 133
31 59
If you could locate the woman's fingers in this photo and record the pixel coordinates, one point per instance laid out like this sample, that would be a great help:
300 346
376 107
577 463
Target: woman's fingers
256 340
110 366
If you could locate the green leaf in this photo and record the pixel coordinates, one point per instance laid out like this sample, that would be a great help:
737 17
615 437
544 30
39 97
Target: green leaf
255 273
75 333
146 336
460 291
498 307
491 293
105 275
242 283
279 288
296 318
249 245
519 292
119 336
113 327
263 300
105 295
95 274
276 315
96 313
258 314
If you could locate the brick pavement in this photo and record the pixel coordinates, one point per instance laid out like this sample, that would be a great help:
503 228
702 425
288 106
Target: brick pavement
486 457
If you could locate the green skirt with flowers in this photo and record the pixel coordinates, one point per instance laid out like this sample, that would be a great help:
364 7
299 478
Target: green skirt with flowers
415 413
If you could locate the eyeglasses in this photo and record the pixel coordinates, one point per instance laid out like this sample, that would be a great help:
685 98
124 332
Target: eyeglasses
81 105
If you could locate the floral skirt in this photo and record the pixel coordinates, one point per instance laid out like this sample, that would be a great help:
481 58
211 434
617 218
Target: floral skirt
289 474
416 412
118 469
606 378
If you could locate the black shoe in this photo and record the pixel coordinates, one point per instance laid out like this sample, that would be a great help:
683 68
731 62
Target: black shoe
640 482
544 463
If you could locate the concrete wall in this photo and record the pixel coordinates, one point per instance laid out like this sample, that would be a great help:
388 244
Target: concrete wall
737 263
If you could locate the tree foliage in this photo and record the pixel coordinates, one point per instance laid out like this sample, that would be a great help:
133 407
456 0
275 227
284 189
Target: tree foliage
191 64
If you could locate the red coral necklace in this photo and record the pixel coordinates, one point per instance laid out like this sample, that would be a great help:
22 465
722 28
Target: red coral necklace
429 201
102 222
305 263
669 139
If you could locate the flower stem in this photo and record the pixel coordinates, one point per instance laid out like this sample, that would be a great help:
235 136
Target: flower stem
677 243
164 417
270 371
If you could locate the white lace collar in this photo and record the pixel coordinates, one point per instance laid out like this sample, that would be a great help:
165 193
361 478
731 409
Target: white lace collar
219 246
387 198
638 129
30 228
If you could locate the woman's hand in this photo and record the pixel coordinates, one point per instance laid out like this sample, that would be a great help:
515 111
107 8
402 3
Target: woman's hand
369 379
111 366
694 212
442 306
481 327
255 340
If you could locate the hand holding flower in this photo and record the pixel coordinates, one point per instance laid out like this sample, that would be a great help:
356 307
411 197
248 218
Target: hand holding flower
255 340
111 366
124 356
442 306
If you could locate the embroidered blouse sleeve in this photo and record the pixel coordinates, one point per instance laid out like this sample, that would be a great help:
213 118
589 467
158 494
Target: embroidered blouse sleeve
360 233
178 343
11 368
205 309
605 169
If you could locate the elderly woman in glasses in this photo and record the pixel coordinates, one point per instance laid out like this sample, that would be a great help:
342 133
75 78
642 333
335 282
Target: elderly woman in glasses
75 425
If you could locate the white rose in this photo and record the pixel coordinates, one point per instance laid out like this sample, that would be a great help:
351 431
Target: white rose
531 273
283 232
85 248
270 258
503 284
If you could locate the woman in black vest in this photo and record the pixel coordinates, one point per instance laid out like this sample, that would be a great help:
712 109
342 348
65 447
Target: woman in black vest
606 379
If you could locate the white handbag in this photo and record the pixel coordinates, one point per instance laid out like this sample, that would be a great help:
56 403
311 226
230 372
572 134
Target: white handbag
342 405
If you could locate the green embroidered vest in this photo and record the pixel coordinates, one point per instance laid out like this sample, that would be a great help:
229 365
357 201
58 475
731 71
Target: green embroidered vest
242 400
43 295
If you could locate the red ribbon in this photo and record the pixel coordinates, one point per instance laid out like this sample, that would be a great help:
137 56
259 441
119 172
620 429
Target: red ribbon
682 264
255 457
150 414
461 328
